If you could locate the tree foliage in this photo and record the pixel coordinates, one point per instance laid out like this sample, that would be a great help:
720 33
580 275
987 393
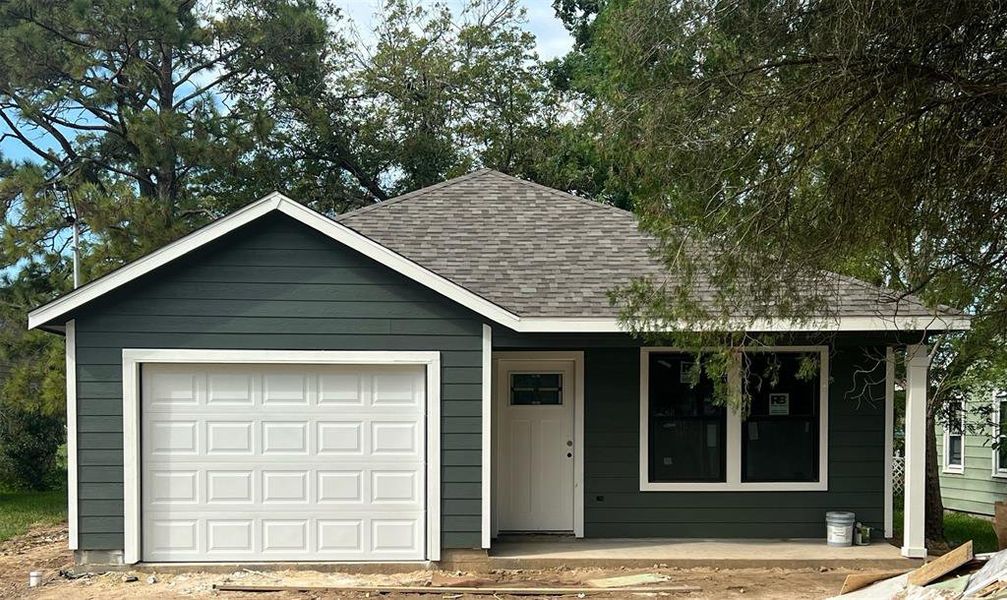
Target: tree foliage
797 138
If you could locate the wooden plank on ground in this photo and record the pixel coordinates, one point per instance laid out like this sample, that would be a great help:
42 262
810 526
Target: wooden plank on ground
856 581
627 580
941 566
475 591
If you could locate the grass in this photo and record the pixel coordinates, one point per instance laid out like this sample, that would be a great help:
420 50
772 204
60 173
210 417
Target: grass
960 528
21 510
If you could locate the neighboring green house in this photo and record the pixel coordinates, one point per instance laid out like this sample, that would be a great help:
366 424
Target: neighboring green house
424 374
973 465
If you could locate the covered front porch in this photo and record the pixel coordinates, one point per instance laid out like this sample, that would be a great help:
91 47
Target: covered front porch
569 455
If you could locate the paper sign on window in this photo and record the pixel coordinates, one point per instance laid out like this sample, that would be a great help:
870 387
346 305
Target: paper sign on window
779 404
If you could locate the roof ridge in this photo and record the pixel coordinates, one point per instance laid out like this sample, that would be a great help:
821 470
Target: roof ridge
413 194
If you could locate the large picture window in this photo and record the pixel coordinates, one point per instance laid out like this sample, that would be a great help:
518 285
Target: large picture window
687 430
691 442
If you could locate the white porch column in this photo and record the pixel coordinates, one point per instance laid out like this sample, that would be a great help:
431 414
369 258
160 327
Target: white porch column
917 382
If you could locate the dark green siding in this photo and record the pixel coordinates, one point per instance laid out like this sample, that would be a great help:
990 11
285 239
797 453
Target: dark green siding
614 506
274 284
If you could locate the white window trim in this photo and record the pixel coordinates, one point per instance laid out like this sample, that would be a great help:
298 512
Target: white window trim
999 471
132 359
949 468
733 481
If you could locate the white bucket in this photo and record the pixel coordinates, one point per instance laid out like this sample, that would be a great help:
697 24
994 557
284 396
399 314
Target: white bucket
34 578
839 528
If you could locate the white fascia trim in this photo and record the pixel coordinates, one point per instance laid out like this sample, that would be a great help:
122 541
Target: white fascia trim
487 438
439 284
864 323
733 481
132 359
71 434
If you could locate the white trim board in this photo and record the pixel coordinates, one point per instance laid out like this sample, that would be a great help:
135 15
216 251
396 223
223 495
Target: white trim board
577 358
437 283
733 482
132 359
889 441
486 488
73 528
999 471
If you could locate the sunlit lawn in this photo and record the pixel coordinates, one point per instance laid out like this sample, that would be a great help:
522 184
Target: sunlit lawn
20 510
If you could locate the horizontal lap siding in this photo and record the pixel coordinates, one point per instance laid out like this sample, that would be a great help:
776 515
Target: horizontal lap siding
614 506
975 490
275 285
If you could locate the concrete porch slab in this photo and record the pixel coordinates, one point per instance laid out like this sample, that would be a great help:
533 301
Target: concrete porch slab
538 553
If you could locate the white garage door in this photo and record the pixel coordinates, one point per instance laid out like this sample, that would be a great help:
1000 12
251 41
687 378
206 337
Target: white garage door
282 462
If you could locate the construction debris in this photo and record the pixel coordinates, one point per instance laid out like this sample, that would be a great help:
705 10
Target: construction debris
935 569
994 571
856 581
952 576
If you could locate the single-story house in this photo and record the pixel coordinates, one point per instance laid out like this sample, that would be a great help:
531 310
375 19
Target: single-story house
973 456
423 375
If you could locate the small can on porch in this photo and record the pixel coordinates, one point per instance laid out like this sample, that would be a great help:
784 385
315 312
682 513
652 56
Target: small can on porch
839 528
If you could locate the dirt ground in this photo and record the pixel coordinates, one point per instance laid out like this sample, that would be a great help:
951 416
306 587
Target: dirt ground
44 549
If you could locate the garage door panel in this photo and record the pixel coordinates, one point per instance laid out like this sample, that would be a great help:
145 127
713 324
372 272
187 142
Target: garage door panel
283 462
229 437
286 536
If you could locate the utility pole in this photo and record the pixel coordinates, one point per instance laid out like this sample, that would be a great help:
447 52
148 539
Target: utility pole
76 250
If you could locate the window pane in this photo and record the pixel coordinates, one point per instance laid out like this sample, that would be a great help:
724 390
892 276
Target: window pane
687 429
955 450
536 389
780 436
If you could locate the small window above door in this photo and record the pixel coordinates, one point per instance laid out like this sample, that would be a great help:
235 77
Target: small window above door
536 389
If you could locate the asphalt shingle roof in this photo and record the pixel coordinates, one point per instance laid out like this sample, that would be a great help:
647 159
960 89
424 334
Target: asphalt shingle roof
540 252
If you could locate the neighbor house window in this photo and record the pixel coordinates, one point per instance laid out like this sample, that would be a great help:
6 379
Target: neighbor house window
954 438
780 435
689 441
1000 451
687 429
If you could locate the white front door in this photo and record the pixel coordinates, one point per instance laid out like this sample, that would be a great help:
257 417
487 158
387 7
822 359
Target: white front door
252 462
535 410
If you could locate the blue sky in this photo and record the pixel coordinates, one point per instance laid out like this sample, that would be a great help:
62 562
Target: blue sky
553 39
